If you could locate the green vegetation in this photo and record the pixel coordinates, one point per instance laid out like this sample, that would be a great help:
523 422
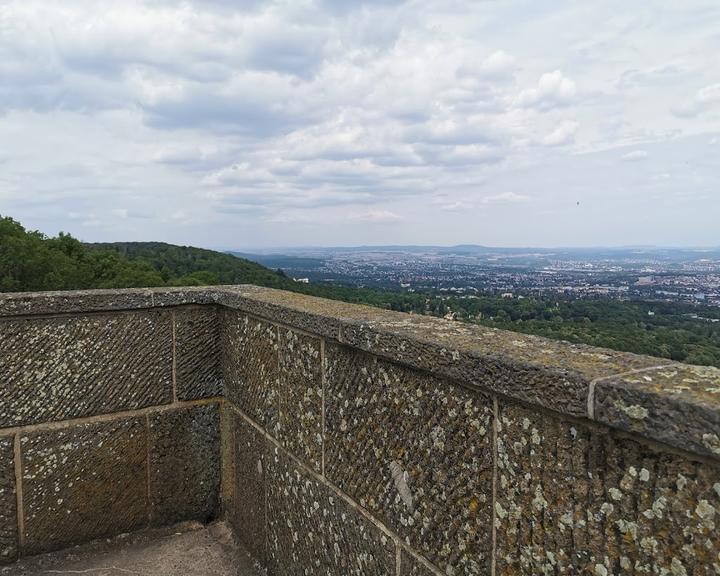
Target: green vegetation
188 266
681 332
32 261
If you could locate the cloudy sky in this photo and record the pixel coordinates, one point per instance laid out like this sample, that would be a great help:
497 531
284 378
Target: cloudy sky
244 123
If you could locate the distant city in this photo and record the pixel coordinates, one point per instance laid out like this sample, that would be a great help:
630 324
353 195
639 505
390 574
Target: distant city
655 274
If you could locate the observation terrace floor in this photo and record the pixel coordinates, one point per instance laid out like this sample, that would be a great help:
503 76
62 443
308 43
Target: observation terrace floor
188 549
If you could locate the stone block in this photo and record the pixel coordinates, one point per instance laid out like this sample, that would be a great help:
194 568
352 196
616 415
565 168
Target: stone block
409 566
227 458
198 371
250 367
184 464
314 315
677 404
555 375
8 502
84 482
300 394
313 532
184 295
69 367
249 514
575 499
414 450
74 301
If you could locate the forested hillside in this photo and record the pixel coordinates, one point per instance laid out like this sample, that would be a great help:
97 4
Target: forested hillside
30 260
189 266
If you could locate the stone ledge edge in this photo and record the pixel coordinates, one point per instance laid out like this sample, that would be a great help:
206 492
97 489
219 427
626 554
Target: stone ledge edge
447 349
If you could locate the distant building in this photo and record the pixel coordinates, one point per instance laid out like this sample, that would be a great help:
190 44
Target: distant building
302 280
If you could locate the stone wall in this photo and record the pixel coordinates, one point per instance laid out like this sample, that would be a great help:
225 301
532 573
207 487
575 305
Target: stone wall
352 440
109 422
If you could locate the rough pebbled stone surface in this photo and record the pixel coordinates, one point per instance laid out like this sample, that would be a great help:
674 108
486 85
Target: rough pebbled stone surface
84 482
184 464
249 515
198 369
581 500
250 367
676 404
59 302
8 503
227 457
185 295
62 368
416 451
411 567
301 397
315 315
313 532
548 373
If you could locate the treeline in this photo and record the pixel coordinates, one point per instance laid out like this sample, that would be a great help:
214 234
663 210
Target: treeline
680 332
189 266
31 261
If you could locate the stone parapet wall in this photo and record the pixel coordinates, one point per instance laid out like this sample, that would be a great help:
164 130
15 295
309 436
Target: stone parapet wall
109 422
360 441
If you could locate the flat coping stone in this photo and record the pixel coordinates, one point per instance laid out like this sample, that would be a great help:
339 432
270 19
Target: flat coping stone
615 388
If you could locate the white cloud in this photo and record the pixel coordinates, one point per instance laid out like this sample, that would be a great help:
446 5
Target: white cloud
458 206
553 89
497 66
704 99
635 155
129 213
377 217
563 134
258 118
506 198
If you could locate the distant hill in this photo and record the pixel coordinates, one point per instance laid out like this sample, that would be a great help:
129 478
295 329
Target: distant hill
32 261
187 265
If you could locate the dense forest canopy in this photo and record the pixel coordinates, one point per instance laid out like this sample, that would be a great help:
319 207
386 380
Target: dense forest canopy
29 261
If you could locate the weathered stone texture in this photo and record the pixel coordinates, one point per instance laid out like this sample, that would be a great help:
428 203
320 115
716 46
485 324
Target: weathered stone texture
551 374
227 458
61 368
8 503
84 482
300 395
185 295
314 315
581 500
677 404
74 301
248 516
197 353
311 531
416 451
184 464
409 566
250 367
